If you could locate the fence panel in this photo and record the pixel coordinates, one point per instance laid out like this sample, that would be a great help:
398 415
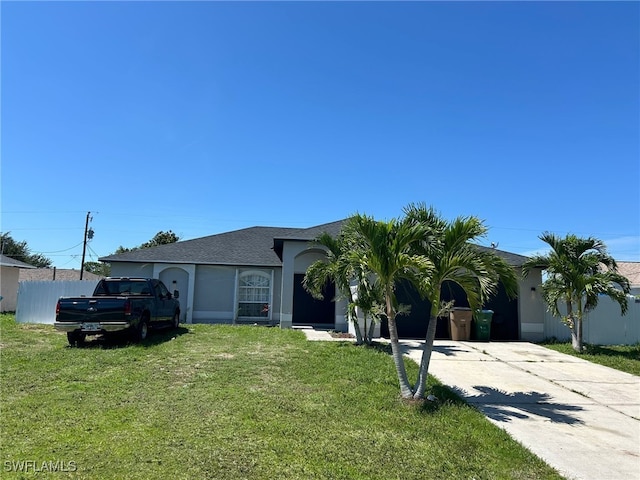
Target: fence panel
602 326
37 300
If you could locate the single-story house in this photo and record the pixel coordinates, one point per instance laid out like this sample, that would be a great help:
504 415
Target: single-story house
254 275
9 280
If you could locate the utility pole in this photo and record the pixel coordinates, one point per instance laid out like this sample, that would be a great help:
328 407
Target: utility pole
84 246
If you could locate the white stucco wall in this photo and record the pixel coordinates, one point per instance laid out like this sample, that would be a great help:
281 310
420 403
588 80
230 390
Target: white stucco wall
531 306
9 288
214 294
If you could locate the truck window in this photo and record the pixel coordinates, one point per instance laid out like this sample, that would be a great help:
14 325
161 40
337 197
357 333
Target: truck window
122 287
161 290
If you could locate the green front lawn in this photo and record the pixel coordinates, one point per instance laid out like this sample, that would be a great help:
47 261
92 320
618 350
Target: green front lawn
625 358
229 402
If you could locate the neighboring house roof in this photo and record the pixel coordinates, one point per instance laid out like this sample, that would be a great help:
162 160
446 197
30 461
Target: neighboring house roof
12 262
44 274
254 246
631 270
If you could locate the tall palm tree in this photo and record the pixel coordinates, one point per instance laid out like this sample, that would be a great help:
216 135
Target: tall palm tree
383 249
578 271
455 258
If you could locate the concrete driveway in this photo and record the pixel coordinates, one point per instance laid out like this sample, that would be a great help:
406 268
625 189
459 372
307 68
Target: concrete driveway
581 418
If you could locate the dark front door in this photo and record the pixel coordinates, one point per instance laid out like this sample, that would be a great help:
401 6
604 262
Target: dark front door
307 310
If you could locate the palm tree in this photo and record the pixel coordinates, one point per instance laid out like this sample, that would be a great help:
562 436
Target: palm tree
382 250
334 269
369 299
453 256
578 271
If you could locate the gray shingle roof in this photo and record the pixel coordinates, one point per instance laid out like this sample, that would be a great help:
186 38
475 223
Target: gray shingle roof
12 262
248 246
308 234
512 259
254 246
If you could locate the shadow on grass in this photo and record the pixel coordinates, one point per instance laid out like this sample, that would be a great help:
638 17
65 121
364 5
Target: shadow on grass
502 406
380 347
633 353
123 339
444 395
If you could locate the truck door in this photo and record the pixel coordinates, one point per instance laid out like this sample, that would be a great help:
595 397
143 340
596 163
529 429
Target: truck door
164 303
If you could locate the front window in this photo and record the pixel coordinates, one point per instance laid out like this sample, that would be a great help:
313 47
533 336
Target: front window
254 295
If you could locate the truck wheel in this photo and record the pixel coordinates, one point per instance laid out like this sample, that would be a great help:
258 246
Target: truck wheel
175 323
76 338
143 330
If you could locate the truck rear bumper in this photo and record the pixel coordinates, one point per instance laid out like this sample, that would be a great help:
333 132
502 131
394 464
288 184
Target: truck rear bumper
100 327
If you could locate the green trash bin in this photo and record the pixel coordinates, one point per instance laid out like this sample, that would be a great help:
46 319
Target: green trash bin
483 325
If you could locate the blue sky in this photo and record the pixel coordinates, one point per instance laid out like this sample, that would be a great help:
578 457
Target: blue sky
206 117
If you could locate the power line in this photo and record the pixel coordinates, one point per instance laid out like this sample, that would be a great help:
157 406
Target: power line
60 251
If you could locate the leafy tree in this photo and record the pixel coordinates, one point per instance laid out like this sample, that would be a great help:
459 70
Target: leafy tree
20 251
449 247
98 268
578 271
160 238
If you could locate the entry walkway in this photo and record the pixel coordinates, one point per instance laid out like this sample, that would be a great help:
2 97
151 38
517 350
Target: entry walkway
581 418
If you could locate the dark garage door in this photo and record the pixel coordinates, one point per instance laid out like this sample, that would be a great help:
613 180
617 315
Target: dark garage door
309 311
504 325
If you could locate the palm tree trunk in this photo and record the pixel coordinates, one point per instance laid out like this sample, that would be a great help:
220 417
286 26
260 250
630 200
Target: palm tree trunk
352 316
366 332
579 327
356 326
427 348
398 359
372 327
574 324
576 339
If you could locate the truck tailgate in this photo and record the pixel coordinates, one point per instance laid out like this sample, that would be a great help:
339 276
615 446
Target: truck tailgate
91 309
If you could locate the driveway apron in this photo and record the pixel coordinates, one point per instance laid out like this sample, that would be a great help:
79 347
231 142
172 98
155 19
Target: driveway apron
581 418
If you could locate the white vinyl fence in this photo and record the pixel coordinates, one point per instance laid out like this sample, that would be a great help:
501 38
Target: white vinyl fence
37 300
602 326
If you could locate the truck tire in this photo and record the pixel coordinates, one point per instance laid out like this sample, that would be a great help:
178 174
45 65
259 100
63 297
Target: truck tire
76 339
175 323
142 330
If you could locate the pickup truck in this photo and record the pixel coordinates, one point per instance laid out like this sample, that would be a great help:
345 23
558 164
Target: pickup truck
134 305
